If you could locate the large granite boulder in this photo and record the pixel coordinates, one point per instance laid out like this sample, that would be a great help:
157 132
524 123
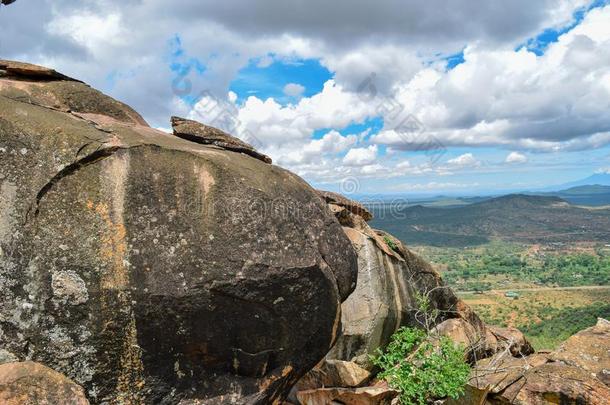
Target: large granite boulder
150 268
392 280
30 383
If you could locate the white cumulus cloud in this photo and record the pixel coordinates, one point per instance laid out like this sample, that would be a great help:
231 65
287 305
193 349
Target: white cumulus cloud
516 157
361 156
465 160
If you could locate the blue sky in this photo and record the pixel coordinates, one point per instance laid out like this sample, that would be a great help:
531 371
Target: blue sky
505 95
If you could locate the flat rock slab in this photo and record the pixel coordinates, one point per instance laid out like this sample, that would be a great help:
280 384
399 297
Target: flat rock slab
208 135
28 70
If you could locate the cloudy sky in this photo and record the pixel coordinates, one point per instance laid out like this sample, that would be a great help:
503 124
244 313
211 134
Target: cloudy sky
389 96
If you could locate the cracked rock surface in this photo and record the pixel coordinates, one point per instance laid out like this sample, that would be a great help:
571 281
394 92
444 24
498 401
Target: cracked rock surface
152 269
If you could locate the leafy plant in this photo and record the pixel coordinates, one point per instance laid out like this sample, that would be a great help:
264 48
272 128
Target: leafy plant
391 244
422 366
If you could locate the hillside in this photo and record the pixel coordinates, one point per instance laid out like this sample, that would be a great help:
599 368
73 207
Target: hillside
515 217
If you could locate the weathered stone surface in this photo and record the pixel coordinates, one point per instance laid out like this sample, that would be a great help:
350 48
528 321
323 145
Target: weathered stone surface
471 396
589 349
512 338
390 278
7 357
352 396
352 206
574 374
30 383
464 334
207 135
496 373
42 87
554 383
345 373
333 373
149 268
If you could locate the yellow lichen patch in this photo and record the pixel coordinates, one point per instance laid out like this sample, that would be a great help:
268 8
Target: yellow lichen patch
113 243
113 247
131 381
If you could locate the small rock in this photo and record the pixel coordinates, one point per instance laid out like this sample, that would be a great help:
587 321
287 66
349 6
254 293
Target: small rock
30 383
69 287
334 373
338 200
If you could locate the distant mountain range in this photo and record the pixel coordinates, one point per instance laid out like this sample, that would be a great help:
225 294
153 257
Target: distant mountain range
602 179
514 217
590 195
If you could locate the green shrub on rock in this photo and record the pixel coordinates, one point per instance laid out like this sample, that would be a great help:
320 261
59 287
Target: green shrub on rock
422 366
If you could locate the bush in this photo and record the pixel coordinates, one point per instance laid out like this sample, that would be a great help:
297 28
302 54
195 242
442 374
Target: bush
420 369
391 244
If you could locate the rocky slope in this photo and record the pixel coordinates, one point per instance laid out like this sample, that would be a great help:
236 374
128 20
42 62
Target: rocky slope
391 279
154 269
140 267
578 372
506 369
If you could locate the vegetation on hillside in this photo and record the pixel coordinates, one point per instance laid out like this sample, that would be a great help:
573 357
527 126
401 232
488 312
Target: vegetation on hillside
561 324
547 317
501 265
512 250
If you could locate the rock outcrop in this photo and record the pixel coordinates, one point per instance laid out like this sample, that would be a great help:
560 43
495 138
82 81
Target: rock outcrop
588 349
391 281
337 201
576 373
30 383
150 268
